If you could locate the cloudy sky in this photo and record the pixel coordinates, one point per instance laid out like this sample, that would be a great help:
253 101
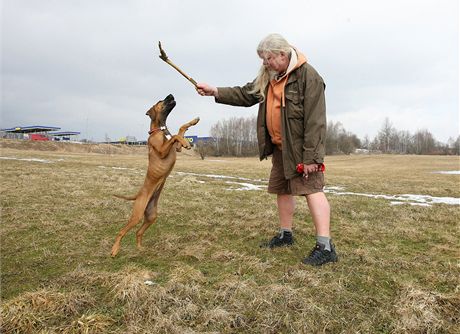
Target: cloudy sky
92 66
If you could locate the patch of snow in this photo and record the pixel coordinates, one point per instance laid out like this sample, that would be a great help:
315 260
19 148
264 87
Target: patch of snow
410 203
404 198
246 186
117 168
28 159
333 188
448 172
217 176
123 168
412 199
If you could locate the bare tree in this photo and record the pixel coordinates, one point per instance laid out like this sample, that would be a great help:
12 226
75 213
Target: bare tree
338 140
204 148
403 142
456 146
235 136
366 143
216 134
385 136
424 142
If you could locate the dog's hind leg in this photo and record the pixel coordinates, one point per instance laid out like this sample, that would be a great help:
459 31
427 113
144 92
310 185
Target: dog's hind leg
150 215
138 210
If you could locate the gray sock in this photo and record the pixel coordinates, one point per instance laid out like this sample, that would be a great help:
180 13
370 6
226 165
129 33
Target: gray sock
283 231
326 241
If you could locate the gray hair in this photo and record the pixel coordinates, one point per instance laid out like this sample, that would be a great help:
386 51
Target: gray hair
273 43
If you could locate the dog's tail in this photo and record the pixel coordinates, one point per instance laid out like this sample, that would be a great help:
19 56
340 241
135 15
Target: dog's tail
128 198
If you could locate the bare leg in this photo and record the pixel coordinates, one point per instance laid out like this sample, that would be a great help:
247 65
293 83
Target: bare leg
320 213
324 250
286 207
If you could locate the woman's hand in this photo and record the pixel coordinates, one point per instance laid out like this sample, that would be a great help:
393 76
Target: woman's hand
206 90
311 168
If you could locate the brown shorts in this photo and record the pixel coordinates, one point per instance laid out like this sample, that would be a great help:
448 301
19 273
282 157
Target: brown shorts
299 185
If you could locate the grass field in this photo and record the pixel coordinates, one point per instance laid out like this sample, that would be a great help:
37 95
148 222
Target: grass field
202 270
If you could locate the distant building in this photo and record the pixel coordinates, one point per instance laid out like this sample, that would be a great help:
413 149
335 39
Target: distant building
195 139
33 132
131 139
65 135
37 132
128 140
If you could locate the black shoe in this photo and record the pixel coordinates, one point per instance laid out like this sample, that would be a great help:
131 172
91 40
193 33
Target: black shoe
282 239
319 255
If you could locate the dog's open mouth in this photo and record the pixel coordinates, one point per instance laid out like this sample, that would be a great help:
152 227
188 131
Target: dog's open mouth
168 105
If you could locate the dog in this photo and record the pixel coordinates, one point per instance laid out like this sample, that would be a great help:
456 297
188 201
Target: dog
162 157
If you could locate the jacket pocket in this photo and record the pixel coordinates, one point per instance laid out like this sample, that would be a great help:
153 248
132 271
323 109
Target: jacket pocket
294 107
293 96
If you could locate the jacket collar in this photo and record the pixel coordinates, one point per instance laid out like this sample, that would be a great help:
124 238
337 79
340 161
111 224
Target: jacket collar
297 60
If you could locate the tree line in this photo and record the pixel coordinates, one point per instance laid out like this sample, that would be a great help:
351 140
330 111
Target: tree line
238 137
231 137
391 140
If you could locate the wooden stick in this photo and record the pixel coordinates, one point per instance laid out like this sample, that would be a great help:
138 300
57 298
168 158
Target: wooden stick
165 58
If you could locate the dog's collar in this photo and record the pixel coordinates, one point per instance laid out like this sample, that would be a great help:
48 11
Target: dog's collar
161 128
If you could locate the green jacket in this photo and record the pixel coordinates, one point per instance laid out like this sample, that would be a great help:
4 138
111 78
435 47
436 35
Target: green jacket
303 119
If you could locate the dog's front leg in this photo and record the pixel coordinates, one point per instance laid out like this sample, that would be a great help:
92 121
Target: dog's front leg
184 128
165 148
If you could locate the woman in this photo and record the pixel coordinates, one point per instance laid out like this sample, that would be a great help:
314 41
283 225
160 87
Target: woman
291 126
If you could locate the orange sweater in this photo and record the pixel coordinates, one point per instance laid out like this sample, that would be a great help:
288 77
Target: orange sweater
275 98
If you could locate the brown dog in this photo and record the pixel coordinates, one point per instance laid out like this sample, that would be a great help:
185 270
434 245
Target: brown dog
162 157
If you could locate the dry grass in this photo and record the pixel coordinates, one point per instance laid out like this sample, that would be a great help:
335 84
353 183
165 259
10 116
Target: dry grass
32 312
398 270
421 311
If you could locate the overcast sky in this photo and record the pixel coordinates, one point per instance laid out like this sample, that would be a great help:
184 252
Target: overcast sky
92 66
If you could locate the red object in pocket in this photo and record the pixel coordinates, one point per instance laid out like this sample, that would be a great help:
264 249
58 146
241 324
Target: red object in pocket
321 168
299 168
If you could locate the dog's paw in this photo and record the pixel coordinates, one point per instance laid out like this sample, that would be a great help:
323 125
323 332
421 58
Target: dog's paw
114 252
115 249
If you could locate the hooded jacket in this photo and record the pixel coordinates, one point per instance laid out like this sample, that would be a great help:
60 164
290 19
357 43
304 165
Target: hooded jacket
303 117
275 98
